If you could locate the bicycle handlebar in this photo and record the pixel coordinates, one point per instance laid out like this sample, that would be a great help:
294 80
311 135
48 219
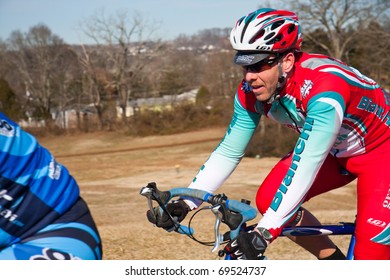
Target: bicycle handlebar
231 212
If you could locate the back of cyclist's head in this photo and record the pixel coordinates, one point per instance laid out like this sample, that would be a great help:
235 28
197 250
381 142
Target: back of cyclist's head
263 32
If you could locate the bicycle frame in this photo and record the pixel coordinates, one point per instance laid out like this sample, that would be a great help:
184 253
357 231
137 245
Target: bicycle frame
241 212
342 228
332 229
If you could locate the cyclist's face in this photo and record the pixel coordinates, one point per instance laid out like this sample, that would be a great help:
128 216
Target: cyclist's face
263 77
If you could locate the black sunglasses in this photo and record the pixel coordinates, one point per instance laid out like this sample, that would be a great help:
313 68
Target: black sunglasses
262 65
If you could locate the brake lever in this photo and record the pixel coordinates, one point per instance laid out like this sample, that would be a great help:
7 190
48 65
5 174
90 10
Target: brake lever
148 193
218 219
151 194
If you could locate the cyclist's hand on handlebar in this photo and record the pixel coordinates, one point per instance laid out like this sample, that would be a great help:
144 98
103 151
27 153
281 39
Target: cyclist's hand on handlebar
247 246
177 209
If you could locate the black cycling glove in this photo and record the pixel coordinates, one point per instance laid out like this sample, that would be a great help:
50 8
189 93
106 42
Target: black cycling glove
177 209
247 246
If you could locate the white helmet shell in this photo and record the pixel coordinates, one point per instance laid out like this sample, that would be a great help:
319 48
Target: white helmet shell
268 31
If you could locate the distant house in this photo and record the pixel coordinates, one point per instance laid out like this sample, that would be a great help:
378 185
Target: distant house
158 103
30 122
68 118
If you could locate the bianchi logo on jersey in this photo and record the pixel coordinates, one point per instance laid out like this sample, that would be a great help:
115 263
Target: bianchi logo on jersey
305 89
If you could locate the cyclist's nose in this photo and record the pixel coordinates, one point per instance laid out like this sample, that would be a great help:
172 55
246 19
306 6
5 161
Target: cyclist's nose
250 76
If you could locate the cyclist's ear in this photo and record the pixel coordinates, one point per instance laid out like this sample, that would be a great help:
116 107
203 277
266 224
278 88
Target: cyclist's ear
288 62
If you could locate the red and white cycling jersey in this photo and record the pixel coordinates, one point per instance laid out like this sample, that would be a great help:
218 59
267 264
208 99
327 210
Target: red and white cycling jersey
335 109
328 90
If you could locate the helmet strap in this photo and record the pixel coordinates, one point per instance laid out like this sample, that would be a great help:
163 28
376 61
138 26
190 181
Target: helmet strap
281 82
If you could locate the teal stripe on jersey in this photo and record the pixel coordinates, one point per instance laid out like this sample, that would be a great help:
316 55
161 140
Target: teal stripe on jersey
351 79
383 237
328 94
357 122
341 70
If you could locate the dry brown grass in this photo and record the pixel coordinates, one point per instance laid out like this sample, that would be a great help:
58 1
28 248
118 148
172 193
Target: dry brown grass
111 169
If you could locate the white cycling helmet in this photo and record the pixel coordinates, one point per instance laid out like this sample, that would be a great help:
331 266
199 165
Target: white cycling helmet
263 32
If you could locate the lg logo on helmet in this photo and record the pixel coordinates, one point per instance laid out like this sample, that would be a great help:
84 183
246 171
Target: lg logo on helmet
265 48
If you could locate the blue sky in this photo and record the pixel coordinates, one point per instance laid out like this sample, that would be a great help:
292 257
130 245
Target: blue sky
175 17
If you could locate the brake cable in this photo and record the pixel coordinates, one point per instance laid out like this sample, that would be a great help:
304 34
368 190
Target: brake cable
206 243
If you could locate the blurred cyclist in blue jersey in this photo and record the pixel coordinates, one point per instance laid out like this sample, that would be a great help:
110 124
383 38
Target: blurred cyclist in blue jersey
342 118
42 216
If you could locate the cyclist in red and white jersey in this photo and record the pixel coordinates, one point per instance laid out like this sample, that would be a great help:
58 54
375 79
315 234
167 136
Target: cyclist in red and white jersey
342 118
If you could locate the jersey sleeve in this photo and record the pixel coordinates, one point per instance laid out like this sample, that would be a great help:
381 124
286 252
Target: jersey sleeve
35 188
325 112
227 155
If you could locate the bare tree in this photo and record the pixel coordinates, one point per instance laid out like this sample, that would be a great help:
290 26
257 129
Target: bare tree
123 38
5 66
67 85
340 20
34 56
372 52
93 80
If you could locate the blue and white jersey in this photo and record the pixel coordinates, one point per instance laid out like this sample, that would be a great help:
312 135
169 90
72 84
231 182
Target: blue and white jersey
34 189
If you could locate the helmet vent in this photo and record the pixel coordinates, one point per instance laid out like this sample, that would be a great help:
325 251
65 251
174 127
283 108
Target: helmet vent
275 25
257 36
247 21
269 36
291 28
275 40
